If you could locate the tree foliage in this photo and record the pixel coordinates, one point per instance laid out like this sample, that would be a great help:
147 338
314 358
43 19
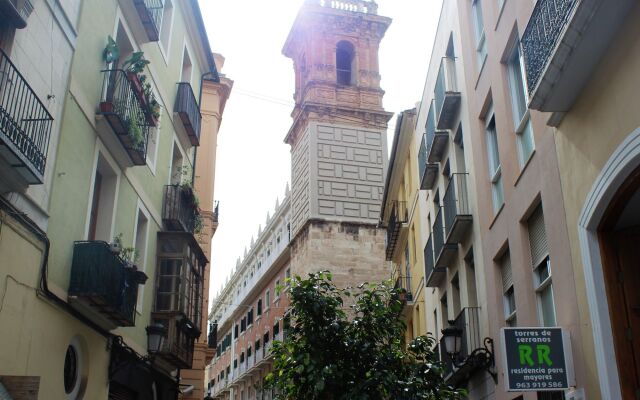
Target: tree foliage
356 352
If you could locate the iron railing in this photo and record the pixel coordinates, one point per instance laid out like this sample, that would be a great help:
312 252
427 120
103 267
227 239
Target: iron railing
398 216
179 210
125 109
456 200
429 260
189 111
445 82
404 282
422 156
430 127
150 12
542 34
469 322
102 279
25 123
438 233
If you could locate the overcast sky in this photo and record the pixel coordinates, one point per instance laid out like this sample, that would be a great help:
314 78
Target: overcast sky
253 162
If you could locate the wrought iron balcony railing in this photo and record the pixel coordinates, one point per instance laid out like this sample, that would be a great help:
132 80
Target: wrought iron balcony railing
179 210
469 322
150 12
126 111
187 108
404 282
563 43
457 212
428 170
433 275
436 139
25 124
102 286
447 94
443 251
397 217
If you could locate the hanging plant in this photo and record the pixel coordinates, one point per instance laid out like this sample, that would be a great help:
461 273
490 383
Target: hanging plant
111 51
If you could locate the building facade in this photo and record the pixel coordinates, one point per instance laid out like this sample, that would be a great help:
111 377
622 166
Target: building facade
106 217
587 96
329 219
249 311
401 215
494 230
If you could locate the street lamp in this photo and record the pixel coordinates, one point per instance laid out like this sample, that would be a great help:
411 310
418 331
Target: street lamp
480 358
155 338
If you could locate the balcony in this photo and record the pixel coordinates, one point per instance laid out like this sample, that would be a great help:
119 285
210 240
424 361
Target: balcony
125 110
444 252
428 170
397 225
179 210
404 283
457 213
150 12
563 43
434 276
25 129
468 320
16 12
447 96
102 286
436 140
178 295
178 345
187 109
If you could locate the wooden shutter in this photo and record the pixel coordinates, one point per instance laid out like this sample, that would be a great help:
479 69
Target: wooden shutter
537 237
505 269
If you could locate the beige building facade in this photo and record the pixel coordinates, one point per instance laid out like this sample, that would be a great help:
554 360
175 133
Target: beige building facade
589 96
99 124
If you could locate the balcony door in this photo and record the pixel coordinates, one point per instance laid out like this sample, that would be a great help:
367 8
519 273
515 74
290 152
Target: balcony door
619 238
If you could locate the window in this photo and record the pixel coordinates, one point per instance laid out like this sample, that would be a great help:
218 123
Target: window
481 41
260 307
267 299
241 357
103 201
521 119
276 329
178 173
495 169
265 339
187 67
257 345
288 275
344 63
243 325
455 295
250 317
141 249
249 352
165 27
508 292
235 332
541 268
235 363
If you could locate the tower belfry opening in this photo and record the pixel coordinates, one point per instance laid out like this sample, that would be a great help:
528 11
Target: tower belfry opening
344 63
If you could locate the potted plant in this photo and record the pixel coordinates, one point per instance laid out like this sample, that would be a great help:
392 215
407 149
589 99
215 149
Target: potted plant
110 55
116 246
134 66
130 256
135 133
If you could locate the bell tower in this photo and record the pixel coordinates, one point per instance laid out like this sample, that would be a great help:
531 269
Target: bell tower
338 140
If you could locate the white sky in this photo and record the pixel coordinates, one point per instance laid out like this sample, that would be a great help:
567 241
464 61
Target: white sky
253 162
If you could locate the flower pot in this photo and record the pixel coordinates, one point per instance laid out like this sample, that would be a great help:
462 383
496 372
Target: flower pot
136 84
106 107
115 248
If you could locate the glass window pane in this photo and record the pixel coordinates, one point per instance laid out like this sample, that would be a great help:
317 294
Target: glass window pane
518 94
498 195
547 307
525 140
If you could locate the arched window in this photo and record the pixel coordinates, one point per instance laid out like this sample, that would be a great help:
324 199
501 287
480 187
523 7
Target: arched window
345 56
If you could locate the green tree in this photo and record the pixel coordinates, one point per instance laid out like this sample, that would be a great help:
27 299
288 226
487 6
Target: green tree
355 352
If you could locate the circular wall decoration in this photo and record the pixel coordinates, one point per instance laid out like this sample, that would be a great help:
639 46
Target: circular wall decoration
75 370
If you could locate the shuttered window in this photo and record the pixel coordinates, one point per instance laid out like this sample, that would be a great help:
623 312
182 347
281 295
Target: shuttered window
508 291
537 237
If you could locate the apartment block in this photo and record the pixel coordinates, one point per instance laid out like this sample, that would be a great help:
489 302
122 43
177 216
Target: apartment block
103 225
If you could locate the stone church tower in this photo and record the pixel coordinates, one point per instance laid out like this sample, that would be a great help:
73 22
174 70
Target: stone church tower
338 141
